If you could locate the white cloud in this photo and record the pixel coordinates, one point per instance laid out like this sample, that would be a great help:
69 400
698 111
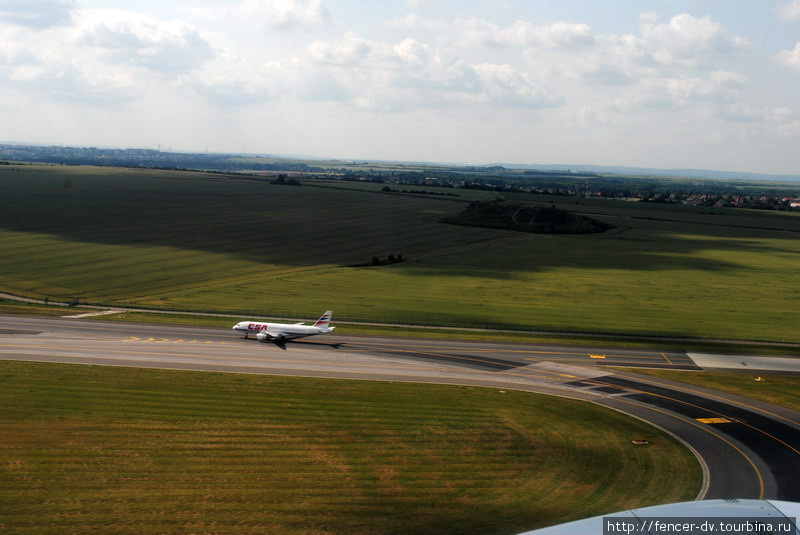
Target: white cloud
789 59
351 50
719 85
688 41
37 14
412 74
134 39
15 53
106 57
412 52
61 76
412 21
740 112
418 5
556 35
474 31
504 85
280 14
790 11
478 32
230 81
615 60
668 65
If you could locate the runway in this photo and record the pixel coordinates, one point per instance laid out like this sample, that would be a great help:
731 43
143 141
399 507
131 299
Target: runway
750 449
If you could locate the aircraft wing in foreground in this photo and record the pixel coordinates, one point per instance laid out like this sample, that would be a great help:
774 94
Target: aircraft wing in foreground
700 517
280 332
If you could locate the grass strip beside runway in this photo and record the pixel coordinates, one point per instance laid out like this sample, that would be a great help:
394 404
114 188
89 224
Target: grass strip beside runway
16 307
105 450
782 390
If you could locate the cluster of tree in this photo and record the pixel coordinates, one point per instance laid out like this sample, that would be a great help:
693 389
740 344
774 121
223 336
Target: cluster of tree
511 216
281 181
391 259
418 192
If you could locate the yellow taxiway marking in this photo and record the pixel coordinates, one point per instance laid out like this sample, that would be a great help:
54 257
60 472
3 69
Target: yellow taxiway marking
667 359
713 420
596 356
653 380
132 339
720 415
572 356
728 442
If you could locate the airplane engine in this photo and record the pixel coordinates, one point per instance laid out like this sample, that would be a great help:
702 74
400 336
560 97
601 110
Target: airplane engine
262 337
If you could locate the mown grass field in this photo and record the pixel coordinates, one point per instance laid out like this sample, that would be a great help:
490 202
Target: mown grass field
106 450
212 243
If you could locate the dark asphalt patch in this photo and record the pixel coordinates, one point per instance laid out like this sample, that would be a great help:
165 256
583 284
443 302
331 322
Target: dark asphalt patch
580 384
17 331
660 365
610 390
468 361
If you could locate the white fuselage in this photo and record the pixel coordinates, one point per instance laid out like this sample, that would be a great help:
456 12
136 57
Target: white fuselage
279 331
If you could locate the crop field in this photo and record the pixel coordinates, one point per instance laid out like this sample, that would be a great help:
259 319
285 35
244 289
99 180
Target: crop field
190 241
106 450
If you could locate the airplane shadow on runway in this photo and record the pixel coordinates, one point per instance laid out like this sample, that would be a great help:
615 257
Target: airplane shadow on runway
335 345
282 344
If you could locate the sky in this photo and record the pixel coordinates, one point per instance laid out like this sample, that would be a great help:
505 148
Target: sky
711 84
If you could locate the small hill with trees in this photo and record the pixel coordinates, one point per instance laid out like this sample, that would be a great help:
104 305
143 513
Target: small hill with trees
498 214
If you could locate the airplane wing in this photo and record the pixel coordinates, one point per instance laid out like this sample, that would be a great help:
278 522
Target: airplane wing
732 511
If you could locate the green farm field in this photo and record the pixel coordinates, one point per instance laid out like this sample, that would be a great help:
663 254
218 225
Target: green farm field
189 241
106 450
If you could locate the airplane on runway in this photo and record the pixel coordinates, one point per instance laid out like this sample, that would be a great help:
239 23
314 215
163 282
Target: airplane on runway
280 332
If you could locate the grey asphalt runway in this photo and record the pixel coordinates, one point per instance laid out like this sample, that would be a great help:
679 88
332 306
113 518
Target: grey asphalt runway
749 449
